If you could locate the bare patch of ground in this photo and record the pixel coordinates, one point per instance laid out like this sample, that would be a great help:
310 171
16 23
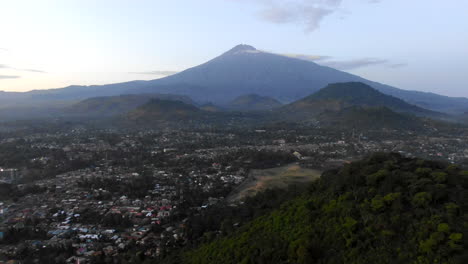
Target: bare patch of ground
281 177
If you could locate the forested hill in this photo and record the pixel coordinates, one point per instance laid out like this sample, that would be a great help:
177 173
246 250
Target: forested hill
384 209
338 96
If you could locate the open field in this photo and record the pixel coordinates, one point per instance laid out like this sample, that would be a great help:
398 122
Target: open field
281 177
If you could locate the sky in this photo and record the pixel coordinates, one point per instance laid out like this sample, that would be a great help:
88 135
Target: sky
410 44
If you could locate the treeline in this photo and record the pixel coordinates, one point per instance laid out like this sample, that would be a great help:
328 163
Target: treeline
224 219
384 209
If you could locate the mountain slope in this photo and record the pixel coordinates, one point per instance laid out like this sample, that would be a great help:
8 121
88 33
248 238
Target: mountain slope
369 118
166 110
245 70
463 118
384 209
338 96
253 102
113 105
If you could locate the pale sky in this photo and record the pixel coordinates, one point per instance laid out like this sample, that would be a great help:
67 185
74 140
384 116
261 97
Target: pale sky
411 44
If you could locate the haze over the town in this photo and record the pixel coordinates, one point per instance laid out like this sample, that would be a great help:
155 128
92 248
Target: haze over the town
414 45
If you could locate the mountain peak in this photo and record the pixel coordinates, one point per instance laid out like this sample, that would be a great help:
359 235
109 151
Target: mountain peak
241 48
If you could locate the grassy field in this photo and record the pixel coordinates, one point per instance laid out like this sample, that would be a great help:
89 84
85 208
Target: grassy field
281 177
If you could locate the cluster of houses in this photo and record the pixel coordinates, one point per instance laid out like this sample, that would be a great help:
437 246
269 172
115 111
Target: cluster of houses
94 221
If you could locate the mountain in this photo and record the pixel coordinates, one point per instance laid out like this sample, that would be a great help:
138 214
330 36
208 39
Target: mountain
246 70
164 110
383 209
337 96
240 71
253 102
114 105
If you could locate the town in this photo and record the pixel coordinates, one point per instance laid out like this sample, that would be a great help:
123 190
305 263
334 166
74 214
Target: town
84 194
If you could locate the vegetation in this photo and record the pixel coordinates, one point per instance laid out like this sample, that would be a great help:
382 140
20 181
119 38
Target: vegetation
365 118
384 209
157 109
113 105
345 103
361 94
254 102
10 191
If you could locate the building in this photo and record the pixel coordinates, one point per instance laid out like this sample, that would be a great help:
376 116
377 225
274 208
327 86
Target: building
8 174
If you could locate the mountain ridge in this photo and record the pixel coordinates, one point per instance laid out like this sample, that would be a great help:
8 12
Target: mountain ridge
166 110
113 105
370 118
241 70
336 96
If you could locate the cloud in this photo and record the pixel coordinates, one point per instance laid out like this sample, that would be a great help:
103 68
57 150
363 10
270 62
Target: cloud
307 13
4 66
308 57
9 77
354 64
398 65
361 62
346 64
163 73
33 70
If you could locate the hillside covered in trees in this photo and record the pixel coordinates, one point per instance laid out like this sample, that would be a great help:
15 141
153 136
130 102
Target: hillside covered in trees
383 209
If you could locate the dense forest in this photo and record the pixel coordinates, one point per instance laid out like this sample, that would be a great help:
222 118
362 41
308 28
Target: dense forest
383 209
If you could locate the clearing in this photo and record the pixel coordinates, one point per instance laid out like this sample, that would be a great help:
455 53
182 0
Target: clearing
281 177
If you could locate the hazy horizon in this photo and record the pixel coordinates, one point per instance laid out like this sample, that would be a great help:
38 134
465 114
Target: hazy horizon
54 44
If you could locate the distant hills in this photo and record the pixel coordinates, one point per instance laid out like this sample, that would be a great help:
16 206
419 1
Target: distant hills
238 72
356 105
365 118
350 105
338 96
164 110
253 102
114 105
